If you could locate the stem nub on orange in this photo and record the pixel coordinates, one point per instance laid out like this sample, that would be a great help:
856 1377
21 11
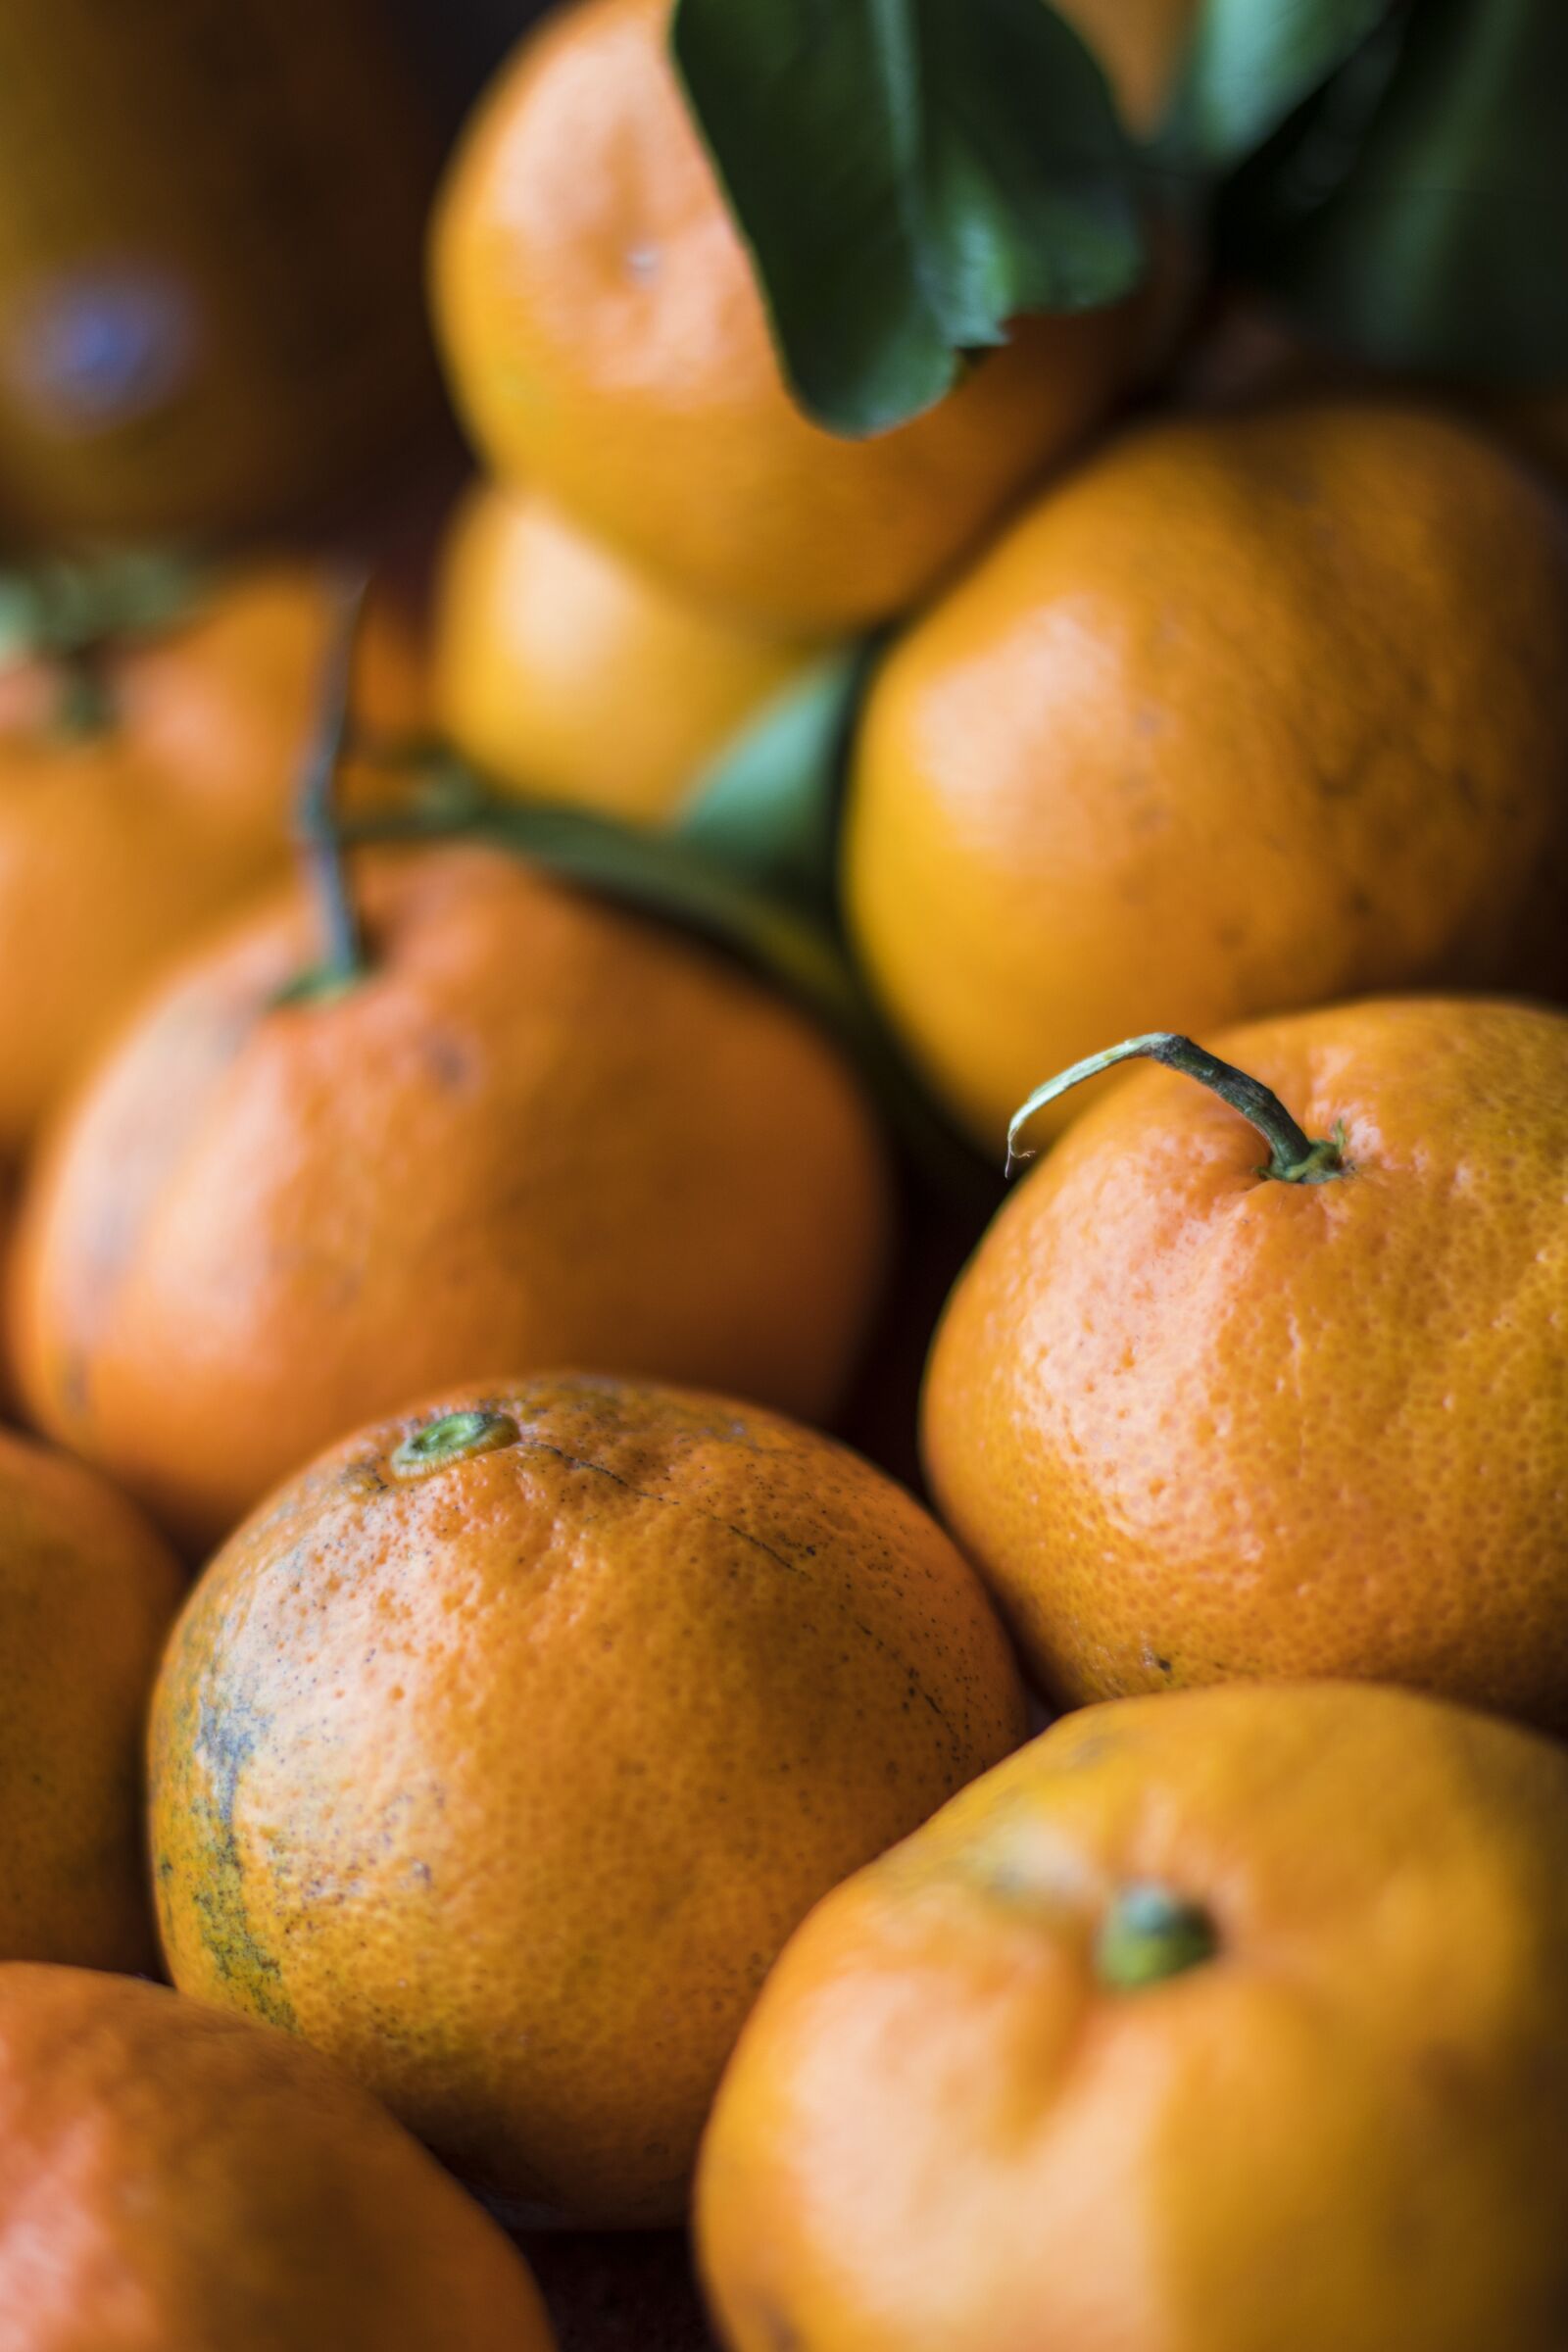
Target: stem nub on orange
173 2178
538 1130
1201 1409
1246 713
606 342
502 1750
1224 2023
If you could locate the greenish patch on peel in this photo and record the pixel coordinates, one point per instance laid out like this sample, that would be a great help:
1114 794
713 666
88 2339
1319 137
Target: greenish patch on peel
454 1438
1149 1934
227 1735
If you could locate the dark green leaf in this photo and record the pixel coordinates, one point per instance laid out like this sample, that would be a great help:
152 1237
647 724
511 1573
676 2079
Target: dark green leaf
910 174
1253 61
1293 174
767 810
1439 245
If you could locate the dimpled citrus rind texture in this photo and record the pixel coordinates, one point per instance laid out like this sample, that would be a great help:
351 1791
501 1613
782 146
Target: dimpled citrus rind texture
505 1782
1246 714
1194 1424
539 1131
118 845
604 340
941 2132
568 673
88 1596
173 2178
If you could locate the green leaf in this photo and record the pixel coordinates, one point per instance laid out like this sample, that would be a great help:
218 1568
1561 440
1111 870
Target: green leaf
1439 245
767 809
1253 61
66 605
663 876
909 175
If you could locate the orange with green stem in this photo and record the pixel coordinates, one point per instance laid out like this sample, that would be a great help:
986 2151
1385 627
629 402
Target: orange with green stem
1191 1997
745 1662
456 1116
1197 1414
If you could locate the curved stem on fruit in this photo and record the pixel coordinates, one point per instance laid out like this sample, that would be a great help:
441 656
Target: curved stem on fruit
342 961
1294 1157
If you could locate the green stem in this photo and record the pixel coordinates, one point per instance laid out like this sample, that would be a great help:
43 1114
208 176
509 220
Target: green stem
1292 1155
454 1438
1149 1934
326 850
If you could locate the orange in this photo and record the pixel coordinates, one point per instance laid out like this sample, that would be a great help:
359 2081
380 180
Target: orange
605 340
88 1596
540 1131
1141 46
564 672
1222 2023
501 1752
120 842
1194 1423
1246 714
8 1211
176 2181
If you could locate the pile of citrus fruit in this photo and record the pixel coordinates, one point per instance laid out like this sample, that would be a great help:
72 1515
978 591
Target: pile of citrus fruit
565 1785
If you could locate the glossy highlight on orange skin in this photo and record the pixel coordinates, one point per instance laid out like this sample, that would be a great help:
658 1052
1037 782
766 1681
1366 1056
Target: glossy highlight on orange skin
1196 1424
1248 712
942 2131
540 1130
605 342
567 673
120 846
173 2179
504 1776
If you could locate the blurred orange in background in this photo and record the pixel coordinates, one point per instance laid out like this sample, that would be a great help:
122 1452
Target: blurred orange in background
210 236
146 789
564 671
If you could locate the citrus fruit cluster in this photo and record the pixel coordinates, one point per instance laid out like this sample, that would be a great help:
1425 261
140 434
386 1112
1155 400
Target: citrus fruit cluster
448 1633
